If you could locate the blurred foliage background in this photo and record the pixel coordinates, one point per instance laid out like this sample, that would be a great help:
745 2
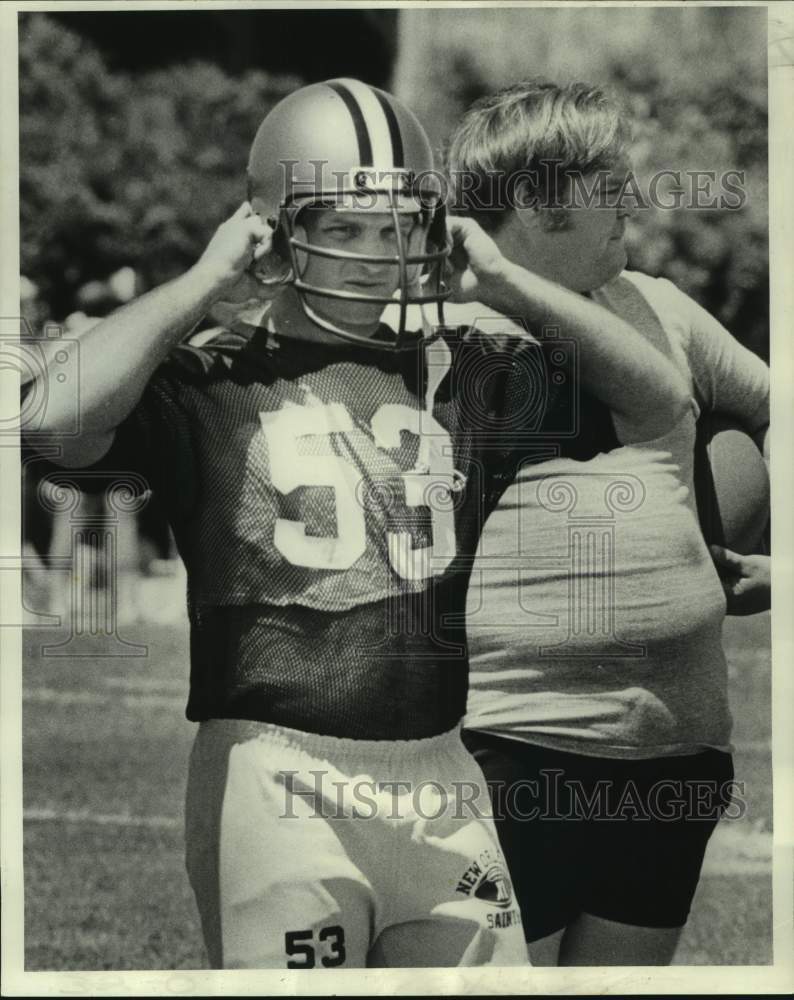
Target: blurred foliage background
121 169
130 154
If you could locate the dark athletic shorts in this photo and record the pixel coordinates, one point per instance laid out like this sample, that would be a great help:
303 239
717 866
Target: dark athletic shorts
620 839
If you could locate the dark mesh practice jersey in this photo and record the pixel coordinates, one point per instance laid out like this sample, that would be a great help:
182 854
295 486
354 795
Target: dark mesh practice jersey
328 521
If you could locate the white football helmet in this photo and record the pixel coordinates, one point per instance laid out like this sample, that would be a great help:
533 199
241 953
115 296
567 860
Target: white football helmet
344 143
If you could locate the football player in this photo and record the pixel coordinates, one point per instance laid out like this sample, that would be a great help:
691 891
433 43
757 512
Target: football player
323 475
623 695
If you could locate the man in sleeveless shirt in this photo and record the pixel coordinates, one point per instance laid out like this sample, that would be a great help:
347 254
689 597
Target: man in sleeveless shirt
598 702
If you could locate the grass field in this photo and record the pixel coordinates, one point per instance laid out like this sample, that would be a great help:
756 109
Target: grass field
105 757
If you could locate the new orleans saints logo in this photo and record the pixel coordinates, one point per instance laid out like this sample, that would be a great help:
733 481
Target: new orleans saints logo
494 887
487 879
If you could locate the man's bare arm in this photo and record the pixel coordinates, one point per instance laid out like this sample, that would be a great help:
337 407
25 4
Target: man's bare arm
616 364
118 356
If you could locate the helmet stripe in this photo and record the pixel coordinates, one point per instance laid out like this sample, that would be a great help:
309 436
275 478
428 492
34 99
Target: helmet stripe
380 131
377 124
364 146
398 156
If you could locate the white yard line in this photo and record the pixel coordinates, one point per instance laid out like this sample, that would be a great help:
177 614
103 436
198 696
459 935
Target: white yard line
135 685
753 746
738 848
89 818
56 696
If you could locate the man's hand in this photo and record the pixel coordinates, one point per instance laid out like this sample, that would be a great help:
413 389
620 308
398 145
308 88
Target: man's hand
746 581
477 263
238 242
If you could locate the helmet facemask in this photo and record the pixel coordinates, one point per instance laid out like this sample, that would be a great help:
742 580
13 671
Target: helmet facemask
419 270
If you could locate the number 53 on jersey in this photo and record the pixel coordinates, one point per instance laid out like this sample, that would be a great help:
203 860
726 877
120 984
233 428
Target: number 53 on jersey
290 470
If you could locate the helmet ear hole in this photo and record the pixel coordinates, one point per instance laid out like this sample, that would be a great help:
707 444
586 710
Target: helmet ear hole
437 230
280 245
279 241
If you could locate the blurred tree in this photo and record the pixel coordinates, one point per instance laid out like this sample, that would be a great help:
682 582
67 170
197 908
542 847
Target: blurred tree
719 256
119 170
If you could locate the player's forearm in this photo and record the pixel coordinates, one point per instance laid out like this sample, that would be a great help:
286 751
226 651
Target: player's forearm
616 364
116 358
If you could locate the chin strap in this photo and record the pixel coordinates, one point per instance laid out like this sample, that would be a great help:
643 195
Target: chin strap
323 323
438 361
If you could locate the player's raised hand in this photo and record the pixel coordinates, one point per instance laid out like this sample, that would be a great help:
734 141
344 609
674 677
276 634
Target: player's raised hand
476 262
746 580
237 243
